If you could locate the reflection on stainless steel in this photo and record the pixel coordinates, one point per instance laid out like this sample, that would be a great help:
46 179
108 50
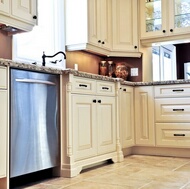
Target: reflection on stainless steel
34 122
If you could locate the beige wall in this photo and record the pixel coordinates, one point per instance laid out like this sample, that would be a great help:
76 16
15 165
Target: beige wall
5 46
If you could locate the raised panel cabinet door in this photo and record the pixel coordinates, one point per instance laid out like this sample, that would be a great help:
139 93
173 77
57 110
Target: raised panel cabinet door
25 10
99 23
144 116
3 132
126 117
5 7
106 123
84 127
125 22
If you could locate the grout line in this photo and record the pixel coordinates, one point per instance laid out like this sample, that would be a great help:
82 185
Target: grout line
180 166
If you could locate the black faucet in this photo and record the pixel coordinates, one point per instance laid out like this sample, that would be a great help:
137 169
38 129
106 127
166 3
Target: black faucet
45 56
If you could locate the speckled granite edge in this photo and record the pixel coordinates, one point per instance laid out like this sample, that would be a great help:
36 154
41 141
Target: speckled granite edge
21 65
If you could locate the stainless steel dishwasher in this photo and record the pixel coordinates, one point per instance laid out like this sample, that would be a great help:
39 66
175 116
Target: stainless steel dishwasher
34 138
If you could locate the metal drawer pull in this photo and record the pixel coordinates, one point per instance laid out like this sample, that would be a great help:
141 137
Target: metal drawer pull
105 88
94 101
82 85
178 90
178 110
124 90
99 101
179 134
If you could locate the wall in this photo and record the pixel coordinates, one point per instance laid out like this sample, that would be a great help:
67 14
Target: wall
182 56
88 62
5 46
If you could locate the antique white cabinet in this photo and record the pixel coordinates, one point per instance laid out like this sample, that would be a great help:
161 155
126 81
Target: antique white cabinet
172 115
21 14
107 27
3 127
126 116
89 130
144 116
162 20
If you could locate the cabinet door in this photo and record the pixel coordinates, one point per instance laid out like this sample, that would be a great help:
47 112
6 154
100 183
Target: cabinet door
4 6
126 116
84 127
179 16
144 116
153 18
106 123
25 10
125 31
100 23
3 132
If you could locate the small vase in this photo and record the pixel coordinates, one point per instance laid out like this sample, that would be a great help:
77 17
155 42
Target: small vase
103 68
122 71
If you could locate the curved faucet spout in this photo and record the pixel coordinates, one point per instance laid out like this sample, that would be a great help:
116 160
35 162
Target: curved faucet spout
47 56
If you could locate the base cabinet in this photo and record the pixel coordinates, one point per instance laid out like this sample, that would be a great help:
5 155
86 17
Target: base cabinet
126 116
90 126
144 116
3 128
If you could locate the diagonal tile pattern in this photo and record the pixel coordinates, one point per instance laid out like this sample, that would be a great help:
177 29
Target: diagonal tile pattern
135 172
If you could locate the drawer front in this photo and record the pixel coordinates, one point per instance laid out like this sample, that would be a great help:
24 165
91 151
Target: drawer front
173 134
3 77
172 90
105 88
172 110
86 86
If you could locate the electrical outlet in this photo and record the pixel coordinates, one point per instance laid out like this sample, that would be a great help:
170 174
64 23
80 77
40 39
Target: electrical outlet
134 72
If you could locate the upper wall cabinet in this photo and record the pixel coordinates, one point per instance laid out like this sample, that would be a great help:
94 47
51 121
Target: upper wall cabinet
107 27
163 20
20 14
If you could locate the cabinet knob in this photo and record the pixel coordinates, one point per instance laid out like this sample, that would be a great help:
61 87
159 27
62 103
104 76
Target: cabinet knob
103 42
94 101
171 30
135 47
99 41
34 17
164 31
99 101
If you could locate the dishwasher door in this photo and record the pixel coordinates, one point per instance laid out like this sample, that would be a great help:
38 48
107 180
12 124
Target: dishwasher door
34 122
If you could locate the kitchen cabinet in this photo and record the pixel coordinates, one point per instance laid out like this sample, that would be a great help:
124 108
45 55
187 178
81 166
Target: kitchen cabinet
21 14
172 115
164 20
89 127
3 128
106 27
144 116
126 116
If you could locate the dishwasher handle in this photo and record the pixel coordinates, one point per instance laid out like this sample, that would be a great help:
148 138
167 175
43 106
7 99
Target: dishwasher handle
35 81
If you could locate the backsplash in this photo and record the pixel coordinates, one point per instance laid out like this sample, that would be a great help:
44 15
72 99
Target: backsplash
88 62
5 46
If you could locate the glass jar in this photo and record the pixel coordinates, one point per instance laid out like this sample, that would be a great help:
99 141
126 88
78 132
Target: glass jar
121 71
103 68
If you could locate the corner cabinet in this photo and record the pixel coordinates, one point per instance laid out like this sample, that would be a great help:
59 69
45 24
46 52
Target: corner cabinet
89 130
107 27
144 116
3 127
163 20
21 14
126 116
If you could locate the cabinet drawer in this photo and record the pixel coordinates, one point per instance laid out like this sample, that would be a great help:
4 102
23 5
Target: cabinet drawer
105 88
86 86
173 134
172 90
3 77
172 110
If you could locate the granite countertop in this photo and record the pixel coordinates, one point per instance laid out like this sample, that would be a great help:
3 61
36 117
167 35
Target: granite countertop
21 65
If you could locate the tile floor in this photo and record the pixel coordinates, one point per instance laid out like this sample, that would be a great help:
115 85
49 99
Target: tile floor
135 172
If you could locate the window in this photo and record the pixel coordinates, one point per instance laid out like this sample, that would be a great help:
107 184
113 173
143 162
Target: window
164 63
47 36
